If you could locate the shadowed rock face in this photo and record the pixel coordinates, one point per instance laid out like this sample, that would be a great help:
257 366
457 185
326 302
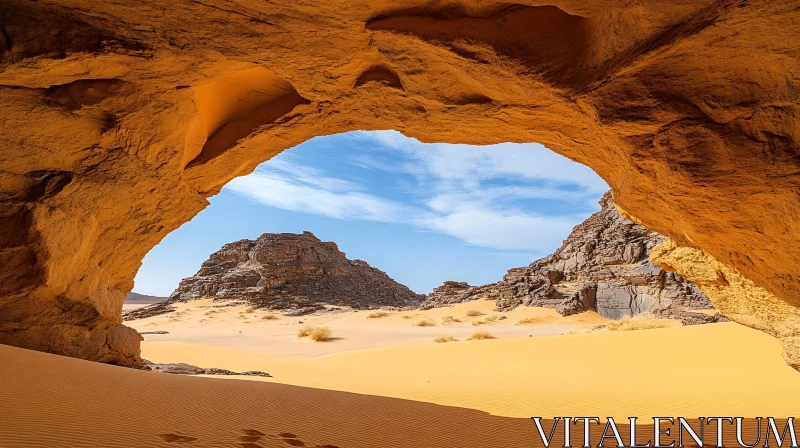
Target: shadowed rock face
294 273
114 130
603 265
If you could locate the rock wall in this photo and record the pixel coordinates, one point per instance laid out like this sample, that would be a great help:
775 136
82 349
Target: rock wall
120 118
294 273
604 264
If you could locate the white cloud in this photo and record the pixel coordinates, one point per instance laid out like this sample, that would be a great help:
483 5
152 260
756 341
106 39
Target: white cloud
317 195
529 161
500 231
472 193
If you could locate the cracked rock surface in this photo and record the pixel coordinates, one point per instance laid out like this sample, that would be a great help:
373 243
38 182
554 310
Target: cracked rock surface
293 273
604 264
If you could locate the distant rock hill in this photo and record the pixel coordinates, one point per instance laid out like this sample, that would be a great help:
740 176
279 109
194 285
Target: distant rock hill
604 265
135 298
293 273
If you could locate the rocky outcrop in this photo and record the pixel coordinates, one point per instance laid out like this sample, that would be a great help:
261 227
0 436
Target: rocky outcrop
188 369
604 264
153 309
452 292
119 119
294 273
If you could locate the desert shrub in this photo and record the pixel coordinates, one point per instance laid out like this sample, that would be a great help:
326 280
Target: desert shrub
449 319
424 323
444 338
475 323
319 334
305 331
250 309
474 313
491 318
478 335
646 321
406 317
316 334
377 315
527 320
269 317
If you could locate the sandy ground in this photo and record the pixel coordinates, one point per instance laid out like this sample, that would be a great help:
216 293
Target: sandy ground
207 323
458 394
132 306
696 370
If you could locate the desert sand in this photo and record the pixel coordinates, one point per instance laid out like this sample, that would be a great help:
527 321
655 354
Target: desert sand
668 371
214 324
457 394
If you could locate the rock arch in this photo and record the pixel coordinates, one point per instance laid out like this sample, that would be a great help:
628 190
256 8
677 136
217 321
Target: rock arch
688 109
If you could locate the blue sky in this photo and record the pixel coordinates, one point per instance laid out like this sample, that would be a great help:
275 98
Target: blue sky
423 213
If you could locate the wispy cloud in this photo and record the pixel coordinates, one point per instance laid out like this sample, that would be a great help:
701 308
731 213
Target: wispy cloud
514 231
303 189
530 161
480 195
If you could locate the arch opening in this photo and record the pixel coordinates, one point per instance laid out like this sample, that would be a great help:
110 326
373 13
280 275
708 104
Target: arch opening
693 141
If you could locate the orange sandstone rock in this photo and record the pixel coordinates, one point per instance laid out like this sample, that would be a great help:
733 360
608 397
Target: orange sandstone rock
120 118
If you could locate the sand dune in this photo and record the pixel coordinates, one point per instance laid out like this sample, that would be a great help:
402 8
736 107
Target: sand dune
51 401
459 394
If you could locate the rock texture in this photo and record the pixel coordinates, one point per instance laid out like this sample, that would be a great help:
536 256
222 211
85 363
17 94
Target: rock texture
737 297
293 273
121 118
188 369
604 265
452 292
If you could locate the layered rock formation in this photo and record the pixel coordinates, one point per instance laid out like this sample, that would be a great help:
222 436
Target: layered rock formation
121 118
604 265
294 273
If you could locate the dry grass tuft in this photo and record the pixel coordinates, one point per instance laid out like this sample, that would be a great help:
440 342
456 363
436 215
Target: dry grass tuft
444 338
449 319
645 321
527 320
491 318
377 315
320 334
424 323
478 335
475 323
474 313
251 309
269 317
316 334
406 317
305 331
